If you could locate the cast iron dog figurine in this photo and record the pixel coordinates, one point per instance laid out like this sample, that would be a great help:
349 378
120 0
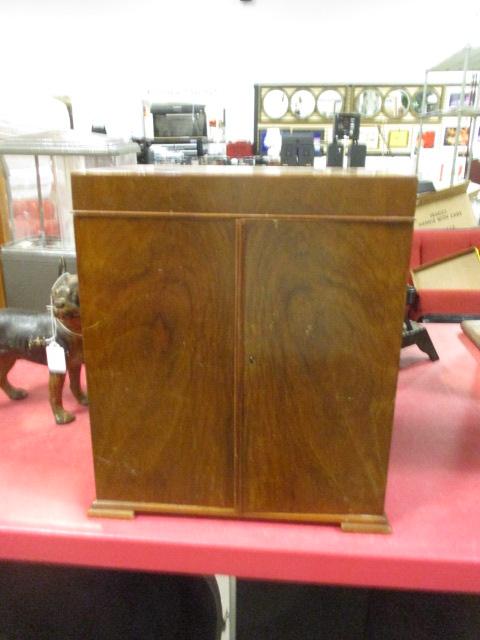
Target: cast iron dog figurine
26 335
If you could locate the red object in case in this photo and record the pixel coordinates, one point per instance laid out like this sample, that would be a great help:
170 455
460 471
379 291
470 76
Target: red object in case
239 149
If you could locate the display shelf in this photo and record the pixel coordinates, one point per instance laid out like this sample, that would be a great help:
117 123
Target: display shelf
459 111
311 107
409 109
47 485
468 113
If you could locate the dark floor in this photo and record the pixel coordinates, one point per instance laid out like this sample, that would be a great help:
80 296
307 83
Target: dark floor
39 602
304 612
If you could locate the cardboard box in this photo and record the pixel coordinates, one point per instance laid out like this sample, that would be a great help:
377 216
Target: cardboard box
457 271
446 209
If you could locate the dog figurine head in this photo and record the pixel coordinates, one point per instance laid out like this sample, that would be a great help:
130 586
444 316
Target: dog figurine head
65 302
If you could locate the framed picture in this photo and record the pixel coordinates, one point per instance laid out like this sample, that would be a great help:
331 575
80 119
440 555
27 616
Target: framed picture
398 138
455 98
451 134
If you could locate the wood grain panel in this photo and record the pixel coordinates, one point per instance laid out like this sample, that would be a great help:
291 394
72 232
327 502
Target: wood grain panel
158 321
5 235
323 312
244 190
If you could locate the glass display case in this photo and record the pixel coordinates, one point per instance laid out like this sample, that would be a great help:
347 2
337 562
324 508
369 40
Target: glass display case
35 171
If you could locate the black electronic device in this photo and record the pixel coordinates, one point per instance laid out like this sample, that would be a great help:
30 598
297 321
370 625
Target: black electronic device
190 148
179 120
335 154
297 149
347 125
99 129
357 155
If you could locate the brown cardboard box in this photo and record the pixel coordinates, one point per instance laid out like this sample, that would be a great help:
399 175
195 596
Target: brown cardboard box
446 209
457 271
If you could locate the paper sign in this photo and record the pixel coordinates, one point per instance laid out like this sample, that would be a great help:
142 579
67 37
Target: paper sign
56 358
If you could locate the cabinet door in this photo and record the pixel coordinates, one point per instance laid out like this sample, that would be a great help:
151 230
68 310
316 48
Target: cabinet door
158 323
323 313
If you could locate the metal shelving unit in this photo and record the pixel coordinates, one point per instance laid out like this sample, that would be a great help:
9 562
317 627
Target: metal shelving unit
463 71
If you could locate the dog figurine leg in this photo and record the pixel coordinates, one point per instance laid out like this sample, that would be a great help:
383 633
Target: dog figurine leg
7 360
74 370
55 387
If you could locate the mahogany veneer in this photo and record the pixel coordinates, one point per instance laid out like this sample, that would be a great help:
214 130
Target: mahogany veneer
4 230
242 330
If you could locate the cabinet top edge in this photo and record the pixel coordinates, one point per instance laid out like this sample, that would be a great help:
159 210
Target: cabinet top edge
240 190
243 171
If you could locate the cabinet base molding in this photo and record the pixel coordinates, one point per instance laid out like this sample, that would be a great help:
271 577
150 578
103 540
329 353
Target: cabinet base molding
127 510
97 510
351 523
367 527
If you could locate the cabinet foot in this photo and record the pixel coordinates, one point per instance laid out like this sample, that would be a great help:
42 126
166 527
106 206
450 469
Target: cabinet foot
98 510
381 526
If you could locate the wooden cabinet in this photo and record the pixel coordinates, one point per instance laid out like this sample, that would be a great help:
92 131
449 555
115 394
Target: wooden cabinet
242 330
4 228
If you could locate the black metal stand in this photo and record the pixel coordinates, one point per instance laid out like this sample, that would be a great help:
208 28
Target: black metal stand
415 333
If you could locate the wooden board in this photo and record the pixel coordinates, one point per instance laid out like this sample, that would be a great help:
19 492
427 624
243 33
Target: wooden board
471 328
4 229
457 271
245 190
158 317
320 369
